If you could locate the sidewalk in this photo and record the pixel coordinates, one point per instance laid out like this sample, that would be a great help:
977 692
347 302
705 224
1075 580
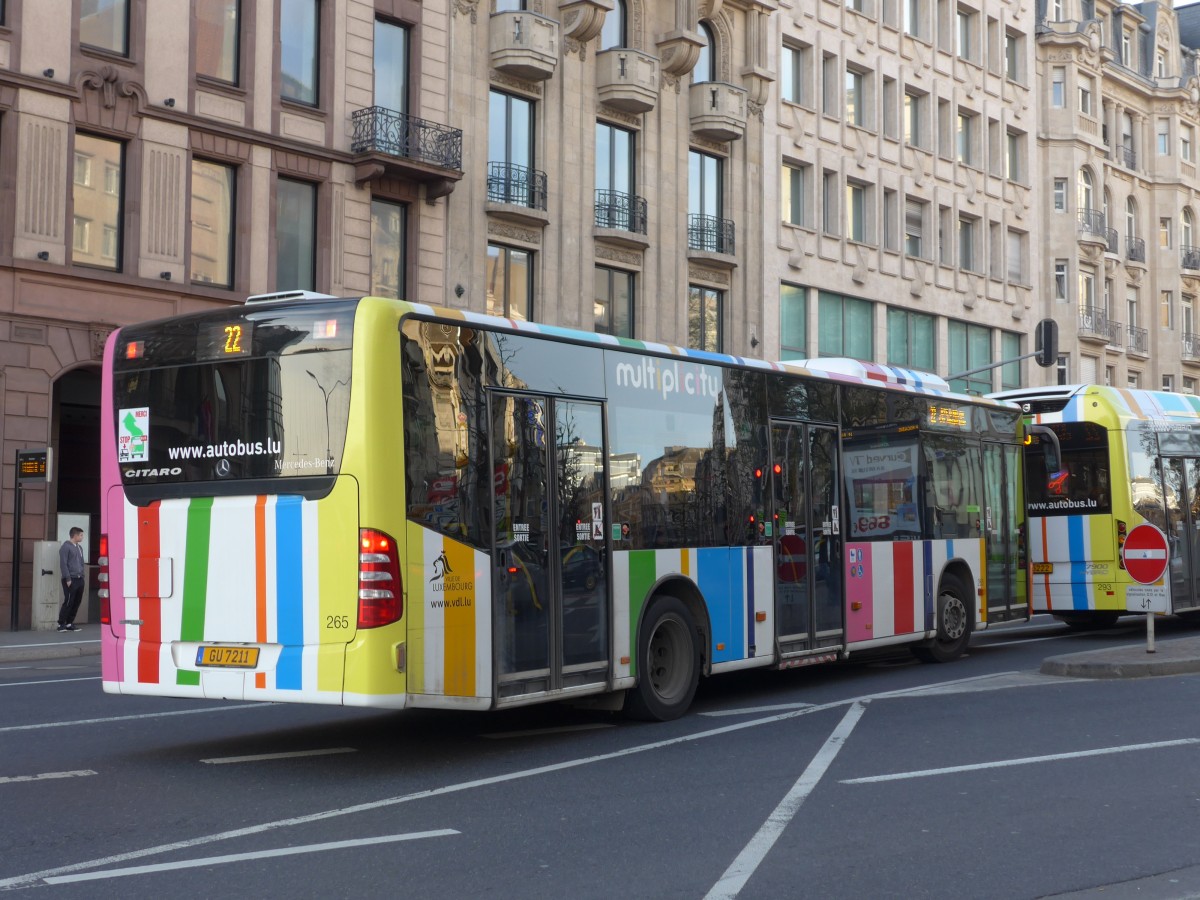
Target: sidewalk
22 646
1174 656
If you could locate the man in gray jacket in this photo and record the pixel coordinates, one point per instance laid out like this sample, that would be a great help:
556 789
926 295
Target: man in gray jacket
70 566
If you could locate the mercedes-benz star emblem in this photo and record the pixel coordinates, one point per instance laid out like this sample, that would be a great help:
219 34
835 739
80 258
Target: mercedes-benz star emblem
222 468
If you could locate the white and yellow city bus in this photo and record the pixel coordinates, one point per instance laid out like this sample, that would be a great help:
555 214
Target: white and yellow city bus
373 502
1123 457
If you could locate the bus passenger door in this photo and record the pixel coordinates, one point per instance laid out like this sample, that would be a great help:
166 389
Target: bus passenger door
1004 600
807 538
1182 477
550 583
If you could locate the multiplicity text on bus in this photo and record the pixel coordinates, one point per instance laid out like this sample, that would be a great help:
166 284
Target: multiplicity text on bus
371 502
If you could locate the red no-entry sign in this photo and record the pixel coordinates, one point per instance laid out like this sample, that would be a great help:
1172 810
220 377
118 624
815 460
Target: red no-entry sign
1145 554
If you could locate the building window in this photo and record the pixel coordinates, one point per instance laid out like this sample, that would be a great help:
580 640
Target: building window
391 67
1130 218
1187 307
509 282
705 312
1010 372
617 204
914 119
829 202
1160 64
389 235
914 17
613 34
830 86
105 24
1133 381
911 340
914 228
891 211
1014 48
967 255
1162 137
793 322
299 50
706 185
1058 87
964 136
1127 48
1060 194
706 64
1087 287
213 217
511 176
845 327
1164 232
856 98
1189 385
794 78
295 235
216 29
100 209
795 181
1060 279
1016 253
1056 10
1013 152
969 347
1168 383
945 236
1186 135
966 35
1131 307
1166 309
613 304
80 234
1085 96
857 228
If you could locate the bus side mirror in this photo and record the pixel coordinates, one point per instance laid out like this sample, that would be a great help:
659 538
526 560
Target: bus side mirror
1051 454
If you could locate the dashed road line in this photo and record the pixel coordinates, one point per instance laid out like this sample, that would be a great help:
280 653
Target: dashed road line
262 757
46 776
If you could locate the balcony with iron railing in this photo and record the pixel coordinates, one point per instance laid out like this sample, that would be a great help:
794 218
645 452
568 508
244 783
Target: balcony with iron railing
1189 347
1189 257
1138 343
1124 156
515 185
621 212
1093 324
1114 334
387 144
1135 249
1114 245
710 234
1092 226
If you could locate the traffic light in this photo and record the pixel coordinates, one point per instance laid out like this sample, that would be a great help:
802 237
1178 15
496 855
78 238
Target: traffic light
1045 341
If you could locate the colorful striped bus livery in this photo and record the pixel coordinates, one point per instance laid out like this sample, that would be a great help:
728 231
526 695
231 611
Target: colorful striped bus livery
378 503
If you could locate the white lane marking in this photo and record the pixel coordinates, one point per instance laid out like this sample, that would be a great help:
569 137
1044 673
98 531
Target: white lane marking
242 857
49 681
177 712
1024 761
752 855
34 877
291 754
754 710
56 644
538 732
45 776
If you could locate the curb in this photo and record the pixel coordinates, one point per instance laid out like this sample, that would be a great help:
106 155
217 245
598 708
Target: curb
59 651
1170 658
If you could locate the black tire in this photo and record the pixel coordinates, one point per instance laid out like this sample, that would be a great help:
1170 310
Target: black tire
1087 621
589 582
668 663
955 622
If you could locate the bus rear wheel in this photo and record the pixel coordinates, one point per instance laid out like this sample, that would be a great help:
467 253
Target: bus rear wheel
668 663
954 624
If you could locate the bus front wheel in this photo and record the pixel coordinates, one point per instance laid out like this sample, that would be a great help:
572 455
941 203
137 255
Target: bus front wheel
954 624
668 663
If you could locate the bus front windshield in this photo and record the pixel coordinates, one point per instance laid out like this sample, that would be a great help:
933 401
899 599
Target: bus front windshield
1082 485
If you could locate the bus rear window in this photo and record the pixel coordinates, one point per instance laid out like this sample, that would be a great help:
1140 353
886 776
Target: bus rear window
260 394
1082 485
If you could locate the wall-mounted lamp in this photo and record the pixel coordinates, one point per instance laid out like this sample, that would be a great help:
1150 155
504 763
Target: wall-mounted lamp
753 341
43 255
49 73
165 276
170 101
459 290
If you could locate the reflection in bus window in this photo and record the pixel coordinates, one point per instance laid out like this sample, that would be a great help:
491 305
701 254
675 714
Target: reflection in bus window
954 496
1082 484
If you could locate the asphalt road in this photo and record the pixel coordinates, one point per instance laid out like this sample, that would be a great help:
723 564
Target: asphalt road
878 778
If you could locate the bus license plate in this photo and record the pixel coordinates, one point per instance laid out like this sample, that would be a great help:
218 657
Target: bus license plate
228 657
1043 568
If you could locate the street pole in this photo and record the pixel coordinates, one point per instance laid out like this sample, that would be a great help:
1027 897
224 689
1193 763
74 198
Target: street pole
14 618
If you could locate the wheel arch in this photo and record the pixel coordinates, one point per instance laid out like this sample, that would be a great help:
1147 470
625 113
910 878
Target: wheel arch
959 569
686 591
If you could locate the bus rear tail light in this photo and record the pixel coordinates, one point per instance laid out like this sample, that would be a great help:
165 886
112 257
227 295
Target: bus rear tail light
380 598
1122 533
102 579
